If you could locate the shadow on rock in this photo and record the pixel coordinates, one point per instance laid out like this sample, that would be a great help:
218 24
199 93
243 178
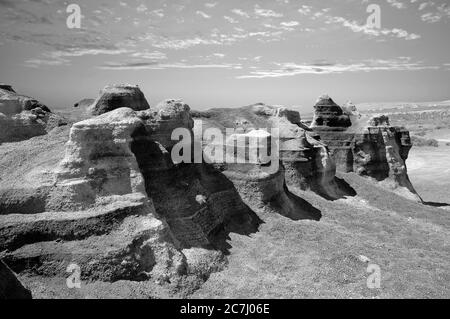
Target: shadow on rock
433 204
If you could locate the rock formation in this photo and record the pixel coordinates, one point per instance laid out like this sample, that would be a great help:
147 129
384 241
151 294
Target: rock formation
369 147
10 286
96 214
6 87
119 208
328 114
22 117
306 162
116 96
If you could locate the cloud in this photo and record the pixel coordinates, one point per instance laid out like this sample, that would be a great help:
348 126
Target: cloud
267 13
396 4
358 28
230 19
290 24
431 17
203 14
59 58
241 13
437 13
305 10
142 8
161 66
155 55
325 67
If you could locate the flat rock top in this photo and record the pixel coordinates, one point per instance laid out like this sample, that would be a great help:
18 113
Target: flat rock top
116 96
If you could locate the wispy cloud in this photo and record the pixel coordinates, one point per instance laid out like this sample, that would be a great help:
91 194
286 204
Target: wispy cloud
203 14
267 13
397 4
162 66
374 32
325 67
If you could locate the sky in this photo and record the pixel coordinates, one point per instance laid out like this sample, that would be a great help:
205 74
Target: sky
229 53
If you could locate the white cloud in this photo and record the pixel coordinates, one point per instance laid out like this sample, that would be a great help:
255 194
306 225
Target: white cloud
290 24
203 14
230 19
241 13
396 4
142 8
267 13
305 10
355 27
151 66
323 67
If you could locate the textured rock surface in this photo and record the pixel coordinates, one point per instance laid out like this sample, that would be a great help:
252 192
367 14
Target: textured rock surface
10 286
119 208
165 117
175 189
370 147
328 114
22 117
116 96
96 213
307 163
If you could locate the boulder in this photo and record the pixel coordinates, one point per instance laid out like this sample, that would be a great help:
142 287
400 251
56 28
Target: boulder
117 96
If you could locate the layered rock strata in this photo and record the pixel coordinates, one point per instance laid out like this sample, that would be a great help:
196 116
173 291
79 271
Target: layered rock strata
370 147
119 208
306 161
327 114
96 214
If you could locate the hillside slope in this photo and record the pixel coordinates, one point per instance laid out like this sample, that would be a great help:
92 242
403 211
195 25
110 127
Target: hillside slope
307 259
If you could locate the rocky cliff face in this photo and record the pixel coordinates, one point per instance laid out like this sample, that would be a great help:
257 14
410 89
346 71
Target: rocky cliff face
22 117
370 147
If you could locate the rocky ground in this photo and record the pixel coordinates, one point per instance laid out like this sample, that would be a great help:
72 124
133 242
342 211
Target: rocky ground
310 259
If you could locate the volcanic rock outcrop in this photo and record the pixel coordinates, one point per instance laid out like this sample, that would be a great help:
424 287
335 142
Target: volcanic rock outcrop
10 286
369 147
116 96
22 117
